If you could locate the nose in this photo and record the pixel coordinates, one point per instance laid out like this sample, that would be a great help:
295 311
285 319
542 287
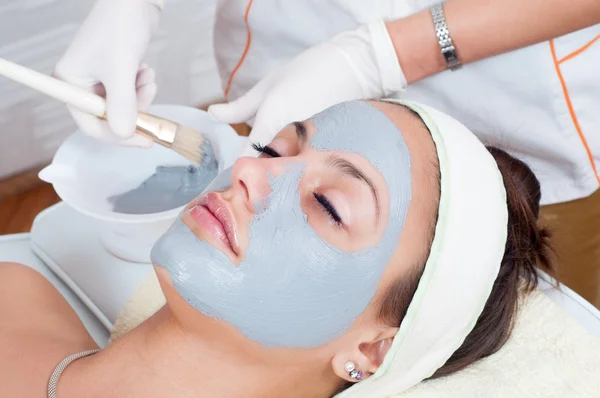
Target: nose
250 180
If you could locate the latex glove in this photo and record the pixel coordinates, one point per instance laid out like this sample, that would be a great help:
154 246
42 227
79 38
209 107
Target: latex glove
106 58
360 64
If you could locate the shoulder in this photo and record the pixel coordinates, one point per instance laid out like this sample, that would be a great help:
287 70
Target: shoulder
26 297
15 276
38 329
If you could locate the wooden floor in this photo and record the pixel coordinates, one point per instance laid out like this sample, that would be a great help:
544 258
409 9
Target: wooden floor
575 228
17 211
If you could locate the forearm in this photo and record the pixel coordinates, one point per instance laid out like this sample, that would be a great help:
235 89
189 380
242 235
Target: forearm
483 28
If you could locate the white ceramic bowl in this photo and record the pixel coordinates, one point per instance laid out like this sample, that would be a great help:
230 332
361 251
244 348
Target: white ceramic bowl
85 172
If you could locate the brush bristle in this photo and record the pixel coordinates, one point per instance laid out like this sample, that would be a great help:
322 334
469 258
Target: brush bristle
188 143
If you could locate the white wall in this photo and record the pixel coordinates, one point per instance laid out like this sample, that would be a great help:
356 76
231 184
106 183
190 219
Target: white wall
35 33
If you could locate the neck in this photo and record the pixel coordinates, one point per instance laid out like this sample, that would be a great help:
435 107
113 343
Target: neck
160 358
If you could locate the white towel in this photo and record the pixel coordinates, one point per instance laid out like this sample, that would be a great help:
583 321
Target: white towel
144 302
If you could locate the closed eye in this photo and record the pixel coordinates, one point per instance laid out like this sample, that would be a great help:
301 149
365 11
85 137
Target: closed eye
328 207
267 150
323 201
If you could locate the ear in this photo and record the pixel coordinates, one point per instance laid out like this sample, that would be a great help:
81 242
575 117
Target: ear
366 356
375 352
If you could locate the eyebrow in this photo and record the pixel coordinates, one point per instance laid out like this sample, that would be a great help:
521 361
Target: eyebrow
351 170
300 131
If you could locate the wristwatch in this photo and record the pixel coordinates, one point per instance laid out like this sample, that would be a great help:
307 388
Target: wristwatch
443 35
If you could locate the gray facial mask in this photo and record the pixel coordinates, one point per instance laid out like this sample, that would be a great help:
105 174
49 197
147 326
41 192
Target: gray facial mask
292 288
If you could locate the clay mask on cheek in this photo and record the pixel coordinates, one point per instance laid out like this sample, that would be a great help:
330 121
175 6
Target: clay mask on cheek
293 288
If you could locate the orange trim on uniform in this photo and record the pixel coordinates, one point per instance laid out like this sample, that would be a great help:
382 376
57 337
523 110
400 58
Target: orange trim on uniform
572 111
578 51
243 57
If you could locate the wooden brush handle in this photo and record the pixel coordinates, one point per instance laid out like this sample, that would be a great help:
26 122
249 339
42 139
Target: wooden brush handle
69 94
157 129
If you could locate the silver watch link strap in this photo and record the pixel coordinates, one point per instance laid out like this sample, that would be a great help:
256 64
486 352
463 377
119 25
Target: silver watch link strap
443 35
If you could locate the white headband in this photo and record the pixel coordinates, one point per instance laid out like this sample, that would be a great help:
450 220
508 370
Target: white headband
464 261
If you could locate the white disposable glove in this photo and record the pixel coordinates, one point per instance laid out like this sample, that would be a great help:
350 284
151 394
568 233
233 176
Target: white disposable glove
360 64
106 58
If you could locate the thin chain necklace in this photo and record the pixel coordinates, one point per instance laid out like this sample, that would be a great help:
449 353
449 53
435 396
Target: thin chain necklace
60 368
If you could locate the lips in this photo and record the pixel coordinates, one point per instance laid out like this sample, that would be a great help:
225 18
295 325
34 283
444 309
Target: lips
213 215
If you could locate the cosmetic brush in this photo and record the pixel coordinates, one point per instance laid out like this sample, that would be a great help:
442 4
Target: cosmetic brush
184 140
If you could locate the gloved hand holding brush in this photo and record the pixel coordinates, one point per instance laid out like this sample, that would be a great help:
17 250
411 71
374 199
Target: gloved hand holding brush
106 58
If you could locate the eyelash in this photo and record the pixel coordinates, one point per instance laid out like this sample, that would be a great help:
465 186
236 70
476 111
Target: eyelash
328 207
323 201
267 150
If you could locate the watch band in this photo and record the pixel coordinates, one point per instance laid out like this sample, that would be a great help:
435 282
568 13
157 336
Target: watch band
443 35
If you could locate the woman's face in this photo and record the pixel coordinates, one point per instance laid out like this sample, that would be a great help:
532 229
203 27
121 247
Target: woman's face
290 247
344 198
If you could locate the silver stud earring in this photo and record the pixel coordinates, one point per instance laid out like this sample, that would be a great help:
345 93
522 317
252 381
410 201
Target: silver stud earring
353 372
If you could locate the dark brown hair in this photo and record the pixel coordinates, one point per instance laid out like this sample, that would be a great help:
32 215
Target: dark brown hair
527 246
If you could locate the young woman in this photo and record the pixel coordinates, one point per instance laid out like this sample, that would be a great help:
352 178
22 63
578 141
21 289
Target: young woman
373 246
